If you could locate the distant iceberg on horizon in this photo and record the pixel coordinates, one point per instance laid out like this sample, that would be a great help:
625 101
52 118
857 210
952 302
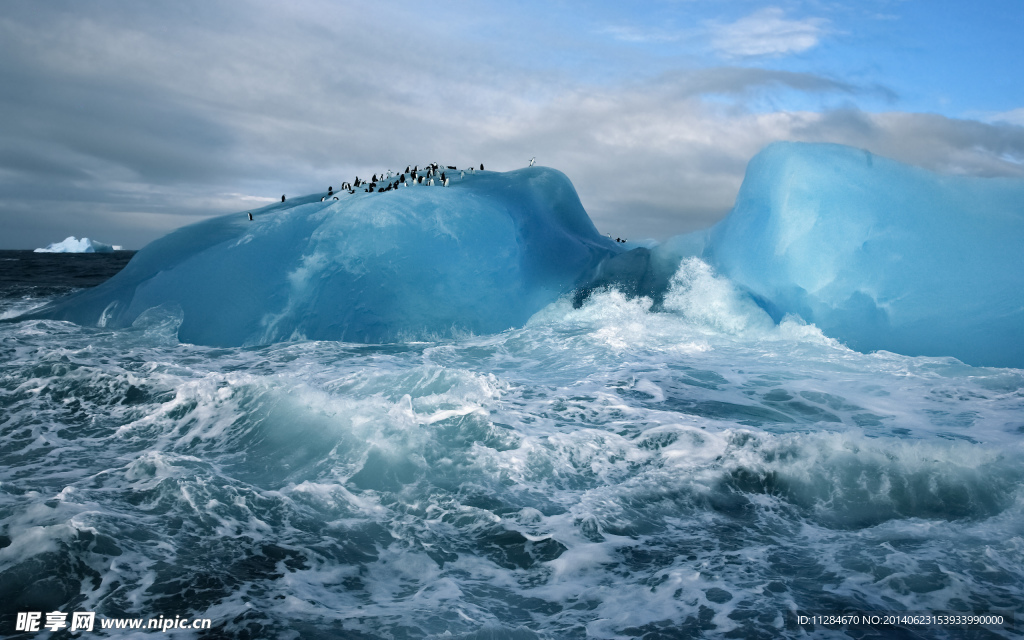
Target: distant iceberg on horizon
71 244
878 254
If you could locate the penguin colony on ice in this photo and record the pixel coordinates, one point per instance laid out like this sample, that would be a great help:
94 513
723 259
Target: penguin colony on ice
430 175
412 175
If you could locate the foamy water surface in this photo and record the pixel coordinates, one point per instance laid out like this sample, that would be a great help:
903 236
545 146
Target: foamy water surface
606 472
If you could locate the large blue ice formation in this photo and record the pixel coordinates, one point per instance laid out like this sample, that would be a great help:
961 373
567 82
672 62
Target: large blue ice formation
878 254
71 244
479 256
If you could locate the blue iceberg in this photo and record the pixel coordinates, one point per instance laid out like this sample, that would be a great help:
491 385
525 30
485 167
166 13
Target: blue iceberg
419 262
879 254
71 244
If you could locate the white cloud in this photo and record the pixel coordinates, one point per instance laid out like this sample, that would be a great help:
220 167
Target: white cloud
1014 116
767 33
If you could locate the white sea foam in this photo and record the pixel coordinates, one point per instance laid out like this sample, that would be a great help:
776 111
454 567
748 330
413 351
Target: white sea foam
605 471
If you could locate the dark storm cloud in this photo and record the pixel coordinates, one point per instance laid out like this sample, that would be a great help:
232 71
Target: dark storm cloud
123 120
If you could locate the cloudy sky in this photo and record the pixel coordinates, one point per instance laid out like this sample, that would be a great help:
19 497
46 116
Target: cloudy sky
122 120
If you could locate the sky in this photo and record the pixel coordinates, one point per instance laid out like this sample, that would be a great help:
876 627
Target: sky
123 120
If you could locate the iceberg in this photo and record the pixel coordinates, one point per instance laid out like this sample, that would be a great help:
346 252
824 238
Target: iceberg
71 244
878 254
479 256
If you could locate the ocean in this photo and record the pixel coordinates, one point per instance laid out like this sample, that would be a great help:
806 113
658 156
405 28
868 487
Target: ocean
606 471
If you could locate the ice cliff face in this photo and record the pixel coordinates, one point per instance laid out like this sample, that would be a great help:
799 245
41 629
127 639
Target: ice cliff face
480 256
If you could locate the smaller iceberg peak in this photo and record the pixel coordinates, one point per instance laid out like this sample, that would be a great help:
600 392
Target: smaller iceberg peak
71 244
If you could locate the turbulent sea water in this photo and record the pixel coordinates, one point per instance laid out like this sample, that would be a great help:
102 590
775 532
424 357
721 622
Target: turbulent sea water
605 471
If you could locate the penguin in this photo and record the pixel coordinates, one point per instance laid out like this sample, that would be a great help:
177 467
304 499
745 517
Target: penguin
451 167
401 178
282 198
408 168
443 177
481 166
532 160
389 174
444 182
330 191
430 182
335 197
323 198
420 181
250 216
374 178
472 170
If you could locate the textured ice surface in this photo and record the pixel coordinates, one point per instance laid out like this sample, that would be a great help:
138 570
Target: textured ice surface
479 256
71 244
879 254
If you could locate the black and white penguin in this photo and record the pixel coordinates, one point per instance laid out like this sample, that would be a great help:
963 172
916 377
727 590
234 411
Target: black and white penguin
444 182
330 191
463 175
335 197
323 198
451 167
481 166
443 177
401 178
282 198
532 160
250 216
